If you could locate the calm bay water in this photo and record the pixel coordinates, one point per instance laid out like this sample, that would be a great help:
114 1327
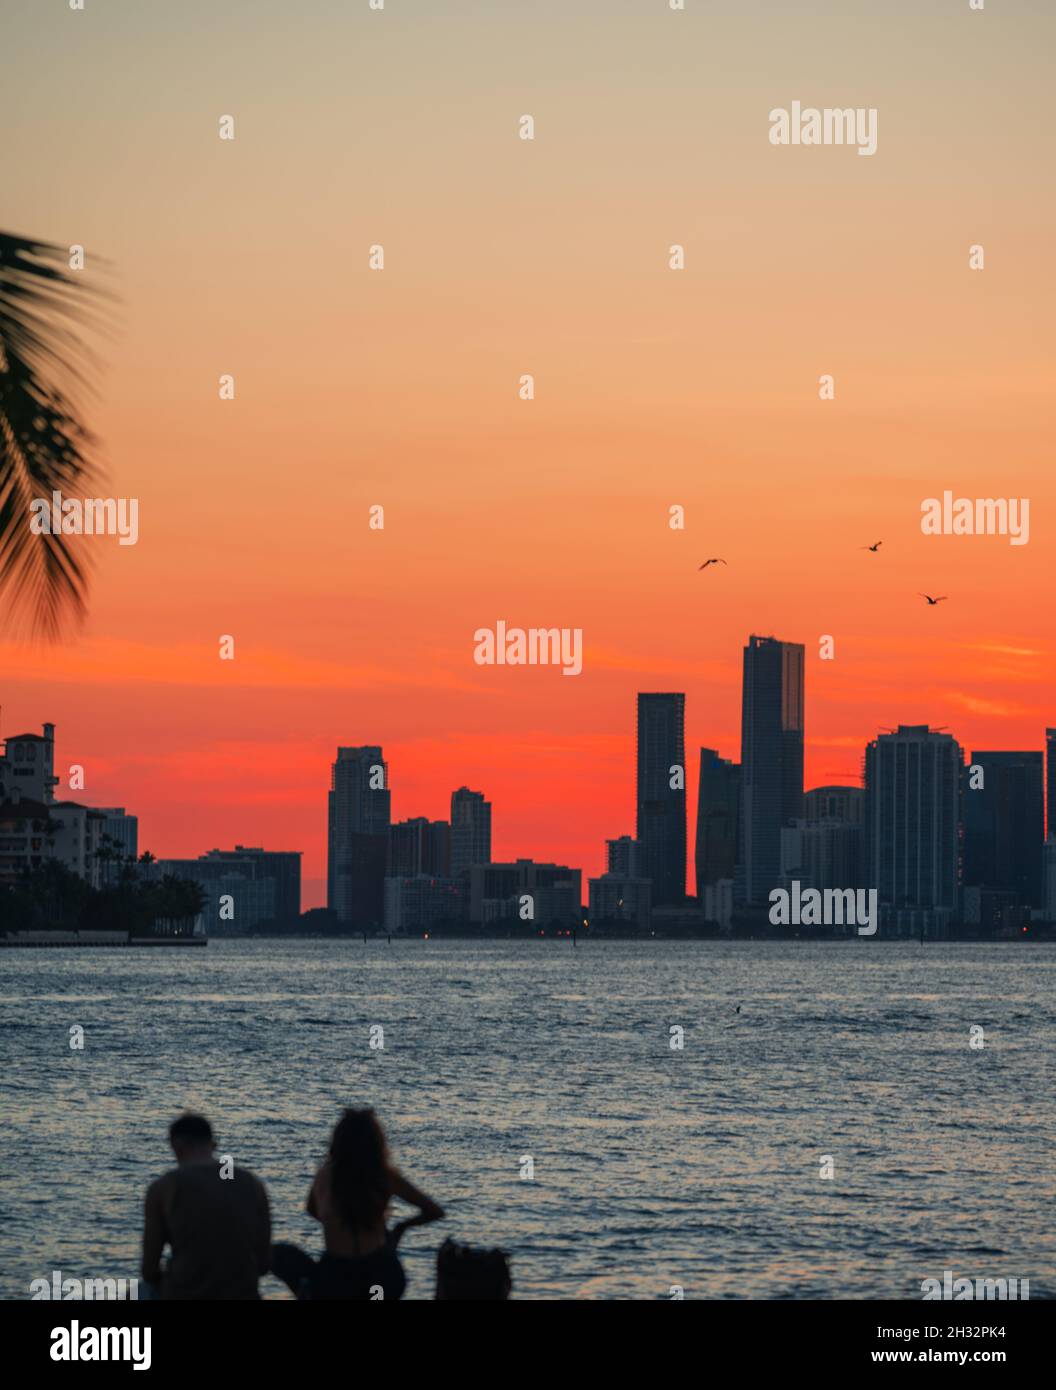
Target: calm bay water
653 1167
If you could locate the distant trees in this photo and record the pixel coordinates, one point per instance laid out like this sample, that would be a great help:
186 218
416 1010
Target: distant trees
53 897
175 898
48 896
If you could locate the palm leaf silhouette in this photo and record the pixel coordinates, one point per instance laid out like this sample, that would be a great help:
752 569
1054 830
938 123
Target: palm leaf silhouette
44 444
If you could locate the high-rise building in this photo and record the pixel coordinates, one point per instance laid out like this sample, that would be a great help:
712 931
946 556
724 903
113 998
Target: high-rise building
824 849
1004 824
661 818
1050 780
117 847
420 846
718 813
716 901
822 854
358 835
771 760
1050 879
846 804
120 832
470 830
912 824
621 856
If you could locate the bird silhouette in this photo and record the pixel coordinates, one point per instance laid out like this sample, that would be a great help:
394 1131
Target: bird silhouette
706 563
933 600
873 548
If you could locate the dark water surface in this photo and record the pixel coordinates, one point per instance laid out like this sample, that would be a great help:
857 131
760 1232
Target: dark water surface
653 1167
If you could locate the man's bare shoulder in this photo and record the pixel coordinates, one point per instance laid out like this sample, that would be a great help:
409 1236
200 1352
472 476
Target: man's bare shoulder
250 1179
161 1185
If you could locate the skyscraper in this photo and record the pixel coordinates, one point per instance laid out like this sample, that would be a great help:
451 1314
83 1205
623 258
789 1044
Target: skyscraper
470 830
771 760
621 856
824 850
661 820
912 821
1004 825
718 812
420 846
833 803
358 833
1050 879
1050 779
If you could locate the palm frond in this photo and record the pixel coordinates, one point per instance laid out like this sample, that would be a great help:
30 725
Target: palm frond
45 446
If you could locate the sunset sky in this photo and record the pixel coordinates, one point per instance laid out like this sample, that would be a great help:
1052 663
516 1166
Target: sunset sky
653 388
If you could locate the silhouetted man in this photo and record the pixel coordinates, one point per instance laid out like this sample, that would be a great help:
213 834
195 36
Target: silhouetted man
214 1217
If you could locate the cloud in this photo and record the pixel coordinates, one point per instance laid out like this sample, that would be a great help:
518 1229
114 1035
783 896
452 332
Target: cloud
1000 708
109 660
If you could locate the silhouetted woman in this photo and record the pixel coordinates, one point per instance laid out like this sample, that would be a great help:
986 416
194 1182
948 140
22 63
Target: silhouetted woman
350 1198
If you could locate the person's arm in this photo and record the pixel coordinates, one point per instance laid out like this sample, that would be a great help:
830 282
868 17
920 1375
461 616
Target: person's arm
398 1227
428 1210
153 1235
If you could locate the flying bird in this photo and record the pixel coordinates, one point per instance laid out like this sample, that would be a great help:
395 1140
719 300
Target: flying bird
940 599
873 548
706 563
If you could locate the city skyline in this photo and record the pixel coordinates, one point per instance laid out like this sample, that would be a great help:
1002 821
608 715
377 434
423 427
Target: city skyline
526 541
191 788
366 842
696 388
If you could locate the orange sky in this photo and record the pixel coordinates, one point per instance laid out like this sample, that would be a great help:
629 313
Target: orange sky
653 388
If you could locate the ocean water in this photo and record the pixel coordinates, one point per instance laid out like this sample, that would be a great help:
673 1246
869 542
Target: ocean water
654 1167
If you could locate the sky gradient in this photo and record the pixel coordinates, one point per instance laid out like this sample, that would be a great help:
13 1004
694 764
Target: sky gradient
653 388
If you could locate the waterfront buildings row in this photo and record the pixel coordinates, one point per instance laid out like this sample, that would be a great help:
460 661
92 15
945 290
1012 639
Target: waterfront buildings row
91 841
243 887
419 874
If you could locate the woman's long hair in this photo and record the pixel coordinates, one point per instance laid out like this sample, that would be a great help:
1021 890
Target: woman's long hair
360 1180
